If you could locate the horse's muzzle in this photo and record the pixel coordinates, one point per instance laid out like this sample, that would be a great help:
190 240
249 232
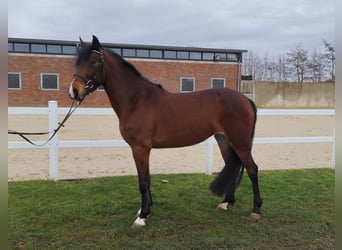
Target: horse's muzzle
74 93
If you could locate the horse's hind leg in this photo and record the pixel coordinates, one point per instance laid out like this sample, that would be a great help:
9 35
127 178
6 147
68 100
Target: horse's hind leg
231 174
236 172
252 170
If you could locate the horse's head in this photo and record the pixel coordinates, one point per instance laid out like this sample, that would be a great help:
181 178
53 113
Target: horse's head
89 70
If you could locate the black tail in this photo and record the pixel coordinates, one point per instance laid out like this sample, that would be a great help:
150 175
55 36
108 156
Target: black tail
255 116
231 175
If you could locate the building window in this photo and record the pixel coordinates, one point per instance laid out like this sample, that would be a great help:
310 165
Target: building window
128 52
49 81
10 47
69 50
21 47
156 53
38 48
170 54
187 84
14 80
182 55
208 56
143 53
117 51
195 55
217 83
232 58
220 57
54 49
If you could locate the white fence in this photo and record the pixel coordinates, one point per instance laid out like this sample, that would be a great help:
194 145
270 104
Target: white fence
53 111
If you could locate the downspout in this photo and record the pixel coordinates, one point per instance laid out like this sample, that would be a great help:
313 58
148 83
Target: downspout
239 73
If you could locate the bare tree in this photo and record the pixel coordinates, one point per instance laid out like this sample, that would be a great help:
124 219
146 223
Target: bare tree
297 60
252 65
269 68
248 66
330 57
280 69
296 65
316 66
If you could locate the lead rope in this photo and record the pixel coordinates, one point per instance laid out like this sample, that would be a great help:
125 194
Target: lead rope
24 135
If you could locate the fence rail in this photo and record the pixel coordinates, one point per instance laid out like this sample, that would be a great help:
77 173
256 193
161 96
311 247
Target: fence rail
53 111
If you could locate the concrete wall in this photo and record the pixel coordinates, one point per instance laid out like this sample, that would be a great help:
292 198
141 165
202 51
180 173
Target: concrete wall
292 95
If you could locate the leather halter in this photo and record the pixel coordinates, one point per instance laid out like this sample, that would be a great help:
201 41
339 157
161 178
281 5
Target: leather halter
90 83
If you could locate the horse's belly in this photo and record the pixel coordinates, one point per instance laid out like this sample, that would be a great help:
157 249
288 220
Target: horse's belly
180 138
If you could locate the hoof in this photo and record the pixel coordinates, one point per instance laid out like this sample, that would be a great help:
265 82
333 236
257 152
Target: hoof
222 207
139 223
255 216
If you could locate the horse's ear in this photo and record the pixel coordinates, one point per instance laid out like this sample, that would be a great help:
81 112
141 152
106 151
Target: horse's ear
96 44
81 42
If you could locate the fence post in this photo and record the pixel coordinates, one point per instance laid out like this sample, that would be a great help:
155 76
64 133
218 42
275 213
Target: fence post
53 144
209 155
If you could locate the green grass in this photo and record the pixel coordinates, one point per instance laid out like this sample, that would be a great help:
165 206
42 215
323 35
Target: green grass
298 213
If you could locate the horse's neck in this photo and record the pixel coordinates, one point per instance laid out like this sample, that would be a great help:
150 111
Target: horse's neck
122 87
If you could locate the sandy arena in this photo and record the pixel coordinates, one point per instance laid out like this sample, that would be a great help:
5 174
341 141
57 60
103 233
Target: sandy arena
28 164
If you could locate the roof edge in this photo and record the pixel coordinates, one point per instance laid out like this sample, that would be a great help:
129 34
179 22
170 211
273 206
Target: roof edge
128 46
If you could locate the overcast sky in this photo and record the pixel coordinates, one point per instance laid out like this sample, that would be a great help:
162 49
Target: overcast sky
260 26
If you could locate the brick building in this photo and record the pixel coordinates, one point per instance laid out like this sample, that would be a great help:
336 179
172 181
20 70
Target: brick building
41 70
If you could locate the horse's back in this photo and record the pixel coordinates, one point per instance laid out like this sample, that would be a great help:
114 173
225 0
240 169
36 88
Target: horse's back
223 101
188 118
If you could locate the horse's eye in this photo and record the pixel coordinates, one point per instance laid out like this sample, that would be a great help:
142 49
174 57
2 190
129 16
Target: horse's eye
92 61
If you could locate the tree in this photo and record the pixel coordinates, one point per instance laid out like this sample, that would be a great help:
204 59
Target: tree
296 65
264 69
280 68
297 60
316 67
330 57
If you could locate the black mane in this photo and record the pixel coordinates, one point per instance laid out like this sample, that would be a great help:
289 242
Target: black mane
84 52
132 68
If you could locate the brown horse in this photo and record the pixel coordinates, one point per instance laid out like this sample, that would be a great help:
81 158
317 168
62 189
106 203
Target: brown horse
151 117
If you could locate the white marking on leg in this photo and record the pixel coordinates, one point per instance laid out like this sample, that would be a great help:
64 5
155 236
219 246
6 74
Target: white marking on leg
138 213
139 222
222 206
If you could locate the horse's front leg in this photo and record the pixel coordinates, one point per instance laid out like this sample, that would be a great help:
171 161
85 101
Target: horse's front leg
141 157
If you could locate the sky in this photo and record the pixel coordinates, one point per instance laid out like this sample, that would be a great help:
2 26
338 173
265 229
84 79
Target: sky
259 26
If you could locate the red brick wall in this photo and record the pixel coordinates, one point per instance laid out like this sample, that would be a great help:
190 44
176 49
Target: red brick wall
167 73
